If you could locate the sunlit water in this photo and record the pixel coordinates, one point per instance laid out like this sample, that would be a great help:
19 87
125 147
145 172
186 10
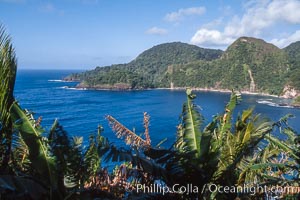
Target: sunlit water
80 111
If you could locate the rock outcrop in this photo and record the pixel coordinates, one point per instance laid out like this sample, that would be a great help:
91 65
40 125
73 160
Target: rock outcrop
290 92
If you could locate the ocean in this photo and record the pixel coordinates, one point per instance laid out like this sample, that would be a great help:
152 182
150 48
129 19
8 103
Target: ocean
81 111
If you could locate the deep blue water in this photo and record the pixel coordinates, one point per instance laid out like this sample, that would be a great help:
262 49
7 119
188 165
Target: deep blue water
80 111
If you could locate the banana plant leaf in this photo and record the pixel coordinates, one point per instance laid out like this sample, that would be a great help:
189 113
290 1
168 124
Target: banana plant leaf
39 154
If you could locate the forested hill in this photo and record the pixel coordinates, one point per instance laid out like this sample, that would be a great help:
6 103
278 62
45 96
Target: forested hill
293 50
248 64
147 70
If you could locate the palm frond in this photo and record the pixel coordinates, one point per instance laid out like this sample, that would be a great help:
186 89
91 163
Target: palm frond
283 121
284 146
61 150
255 134
239 141
91 161
60 145
98 146
20 155
8 68
115 154
74 171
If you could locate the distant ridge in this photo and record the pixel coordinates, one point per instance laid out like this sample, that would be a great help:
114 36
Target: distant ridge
248 64
147 70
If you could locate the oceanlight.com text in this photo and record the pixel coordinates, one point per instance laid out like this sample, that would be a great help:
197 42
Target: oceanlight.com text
213 188
252 190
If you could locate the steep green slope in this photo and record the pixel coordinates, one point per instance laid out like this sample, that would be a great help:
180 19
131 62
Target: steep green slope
293 50
248 64
147 70
255 65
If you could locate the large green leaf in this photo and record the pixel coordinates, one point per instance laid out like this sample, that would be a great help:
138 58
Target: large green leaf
39 153
206 143
192 121
235 98
283 145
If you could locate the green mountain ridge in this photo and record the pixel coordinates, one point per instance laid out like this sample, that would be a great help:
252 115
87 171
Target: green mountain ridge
293 50
248 64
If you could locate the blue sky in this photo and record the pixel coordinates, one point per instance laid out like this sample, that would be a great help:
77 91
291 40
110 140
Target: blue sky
82 34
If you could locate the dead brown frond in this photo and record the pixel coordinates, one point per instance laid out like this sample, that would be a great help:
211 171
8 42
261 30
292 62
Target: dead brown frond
122 132
146 126
38 122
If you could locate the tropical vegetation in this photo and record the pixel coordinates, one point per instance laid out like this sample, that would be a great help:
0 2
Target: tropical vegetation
296 102
229 151
248 64
293 52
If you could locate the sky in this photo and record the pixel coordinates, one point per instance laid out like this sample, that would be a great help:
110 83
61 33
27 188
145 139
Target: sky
83 34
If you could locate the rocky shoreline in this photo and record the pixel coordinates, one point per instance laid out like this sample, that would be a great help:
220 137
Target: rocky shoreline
122 87
289 93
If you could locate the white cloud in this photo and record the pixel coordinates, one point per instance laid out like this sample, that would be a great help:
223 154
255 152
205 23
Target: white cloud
181 13
283 42
156 31
258 17
211 38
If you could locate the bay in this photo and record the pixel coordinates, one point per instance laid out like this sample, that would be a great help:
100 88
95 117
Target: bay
80 111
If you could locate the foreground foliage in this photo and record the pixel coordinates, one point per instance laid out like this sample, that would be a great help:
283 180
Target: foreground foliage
228 151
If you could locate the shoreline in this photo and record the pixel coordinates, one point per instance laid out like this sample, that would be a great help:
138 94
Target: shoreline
284 104
223 91
181 89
